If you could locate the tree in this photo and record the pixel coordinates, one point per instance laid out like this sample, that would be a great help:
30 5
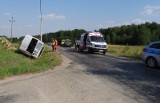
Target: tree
113 37
144 35
108 39
126 34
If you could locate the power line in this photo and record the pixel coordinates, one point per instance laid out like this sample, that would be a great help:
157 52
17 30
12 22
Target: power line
12 21
41 20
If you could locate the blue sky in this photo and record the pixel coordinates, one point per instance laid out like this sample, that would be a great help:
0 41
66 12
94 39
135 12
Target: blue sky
74 14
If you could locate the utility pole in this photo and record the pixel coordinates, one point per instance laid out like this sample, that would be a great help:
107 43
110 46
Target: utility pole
12 21
41 20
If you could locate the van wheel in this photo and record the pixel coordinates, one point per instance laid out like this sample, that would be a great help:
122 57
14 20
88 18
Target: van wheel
151 62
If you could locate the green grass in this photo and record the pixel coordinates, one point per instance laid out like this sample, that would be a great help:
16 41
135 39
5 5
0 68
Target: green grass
126 51
12 63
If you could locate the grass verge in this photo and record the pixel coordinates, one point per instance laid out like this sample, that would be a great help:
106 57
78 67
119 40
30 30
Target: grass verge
126 51
12 63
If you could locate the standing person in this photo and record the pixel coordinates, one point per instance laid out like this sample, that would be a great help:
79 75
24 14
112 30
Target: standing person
55 45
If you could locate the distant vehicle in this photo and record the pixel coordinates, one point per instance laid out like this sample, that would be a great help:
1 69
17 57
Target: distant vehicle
151 54
31 46
91 42
49 44
62 42
66 43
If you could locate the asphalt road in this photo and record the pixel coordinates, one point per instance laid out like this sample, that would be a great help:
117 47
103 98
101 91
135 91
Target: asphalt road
139 82
86 78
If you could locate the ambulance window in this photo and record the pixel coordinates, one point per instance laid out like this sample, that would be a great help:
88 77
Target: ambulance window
97 39
88 39
82 37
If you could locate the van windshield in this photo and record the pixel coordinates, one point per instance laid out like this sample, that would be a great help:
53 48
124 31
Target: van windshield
97 39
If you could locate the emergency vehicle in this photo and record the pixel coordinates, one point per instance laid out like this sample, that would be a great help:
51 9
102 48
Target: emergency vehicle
31 46
151 54
91 42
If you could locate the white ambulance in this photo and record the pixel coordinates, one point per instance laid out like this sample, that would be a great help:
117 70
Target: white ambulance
91 42
31 46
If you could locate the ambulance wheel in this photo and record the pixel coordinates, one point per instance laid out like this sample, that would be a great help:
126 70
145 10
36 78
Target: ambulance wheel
77 47
104 52
89 50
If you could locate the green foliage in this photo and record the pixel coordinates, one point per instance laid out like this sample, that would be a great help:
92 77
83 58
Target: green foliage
125 34
133 34
63 34
108 39
126 51
113 37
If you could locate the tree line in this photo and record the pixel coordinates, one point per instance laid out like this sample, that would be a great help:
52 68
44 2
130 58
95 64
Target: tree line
126 34
132 34
63 34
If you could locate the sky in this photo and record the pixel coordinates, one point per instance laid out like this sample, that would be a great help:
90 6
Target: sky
73 14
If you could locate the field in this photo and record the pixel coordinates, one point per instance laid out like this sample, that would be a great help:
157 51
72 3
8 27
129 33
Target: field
126 51
12 63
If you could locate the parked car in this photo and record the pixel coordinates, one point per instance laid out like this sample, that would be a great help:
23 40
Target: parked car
66 43
151 54
49 44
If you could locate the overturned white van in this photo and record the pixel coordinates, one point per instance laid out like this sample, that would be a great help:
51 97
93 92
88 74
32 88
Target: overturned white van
31 46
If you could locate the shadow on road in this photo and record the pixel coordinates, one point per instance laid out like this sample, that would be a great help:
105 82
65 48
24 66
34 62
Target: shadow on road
144 81
128 72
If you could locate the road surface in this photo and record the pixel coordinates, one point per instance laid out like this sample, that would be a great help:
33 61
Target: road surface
86 78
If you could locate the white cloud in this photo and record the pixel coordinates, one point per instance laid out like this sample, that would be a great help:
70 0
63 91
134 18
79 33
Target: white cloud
53 16
151 10
112 23
134 21
138 21
7 14
100 26
4 27
108 23
29 25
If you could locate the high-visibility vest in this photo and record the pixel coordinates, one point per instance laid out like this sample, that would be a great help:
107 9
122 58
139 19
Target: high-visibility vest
53 42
